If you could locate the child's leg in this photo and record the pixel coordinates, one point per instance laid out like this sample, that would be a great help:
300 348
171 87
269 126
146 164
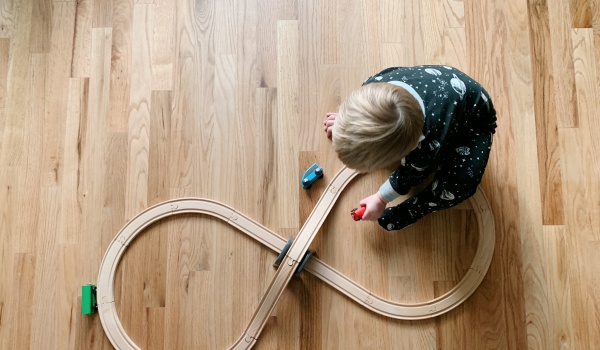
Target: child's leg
456 180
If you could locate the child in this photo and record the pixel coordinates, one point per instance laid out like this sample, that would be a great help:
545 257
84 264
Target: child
426 119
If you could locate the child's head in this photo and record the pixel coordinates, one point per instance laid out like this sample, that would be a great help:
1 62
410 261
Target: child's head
376 126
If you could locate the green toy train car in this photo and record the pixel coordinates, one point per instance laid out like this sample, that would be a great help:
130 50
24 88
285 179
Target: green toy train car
88 299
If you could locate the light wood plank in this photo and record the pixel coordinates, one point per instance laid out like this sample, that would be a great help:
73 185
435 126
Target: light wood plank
288 125
226 29
454 48
58 68
76 122
581 13
18 95
585 172
45 323
454 11
558 279
41 26
82 41
7 23
121 63
163 45
139 113
545 112
562 64
329 32
23 293
103 13
4 61
309 48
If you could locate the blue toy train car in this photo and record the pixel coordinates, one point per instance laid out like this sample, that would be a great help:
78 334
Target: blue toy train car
312 174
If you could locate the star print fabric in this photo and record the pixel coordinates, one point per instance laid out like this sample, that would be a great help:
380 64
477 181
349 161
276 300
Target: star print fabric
455 144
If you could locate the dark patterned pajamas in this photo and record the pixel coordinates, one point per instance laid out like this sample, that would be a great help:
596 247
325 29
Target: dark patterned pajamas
455 144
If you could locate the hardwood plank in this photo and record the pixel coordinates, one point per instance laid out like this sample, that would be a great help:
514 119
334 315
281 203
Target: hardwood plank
582 166
121 64
10 179
265 171
434 17
450 334
103 13
454 48
58 69
41 26
226 28
558 279
4 60
288 125
486 65
18 94
155 321
528 186
562 64
391 27
139 113
160 147
352 32
44 282
76 119
411 37
329 32
33 156
82 41
266 45
581 13
373 34
545 113
163 45
578 233
225 123
22 295
7 23
68 292
309 49
455 13
582 190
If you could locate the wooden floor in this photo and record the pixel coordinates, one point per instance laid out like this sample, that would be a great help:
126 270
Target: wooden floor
108 107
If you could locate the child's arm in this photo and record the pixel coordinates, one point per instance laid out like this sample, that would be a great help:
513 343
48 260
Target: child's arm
402 180
456 180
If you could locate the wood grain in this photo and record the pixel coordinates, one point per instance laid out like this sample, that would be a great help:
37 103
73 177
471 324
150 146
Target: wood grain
7 24
545 105
82 41
581 13
107 107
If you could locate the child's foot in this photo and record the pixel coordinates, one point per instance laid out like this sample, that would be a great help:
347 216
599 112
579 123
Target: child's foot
328 123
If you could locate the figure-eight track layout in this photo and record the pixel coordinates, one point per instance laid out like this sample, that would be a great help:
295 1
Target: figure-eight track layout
120 340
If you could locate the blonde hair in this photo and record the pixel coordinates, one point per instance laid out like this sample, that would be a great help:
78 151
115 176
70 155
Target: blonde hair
377 125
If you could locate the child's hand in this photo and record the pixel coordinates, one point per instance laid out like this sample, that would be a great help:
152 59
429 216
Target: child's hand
329 123
375 206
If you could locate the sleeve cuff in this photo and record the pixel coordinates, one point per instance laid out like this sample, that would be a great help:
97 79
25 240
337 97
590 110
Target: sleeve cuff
387 191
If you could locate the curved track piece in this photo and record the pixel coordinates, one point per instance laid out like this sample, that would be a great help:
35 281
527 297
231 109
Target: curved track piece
120 340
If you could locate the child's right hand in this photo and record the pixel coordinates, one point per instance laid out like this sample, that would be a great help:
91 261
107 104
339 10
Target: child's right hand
375 206
328 123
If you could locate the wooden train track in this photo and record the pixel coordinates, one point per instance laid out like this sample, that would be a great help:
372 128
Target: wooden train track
105 285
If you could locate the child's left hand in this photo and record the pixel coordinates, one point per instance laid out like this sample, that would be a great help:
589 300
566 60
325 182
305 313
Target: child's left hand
329 123
375 206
